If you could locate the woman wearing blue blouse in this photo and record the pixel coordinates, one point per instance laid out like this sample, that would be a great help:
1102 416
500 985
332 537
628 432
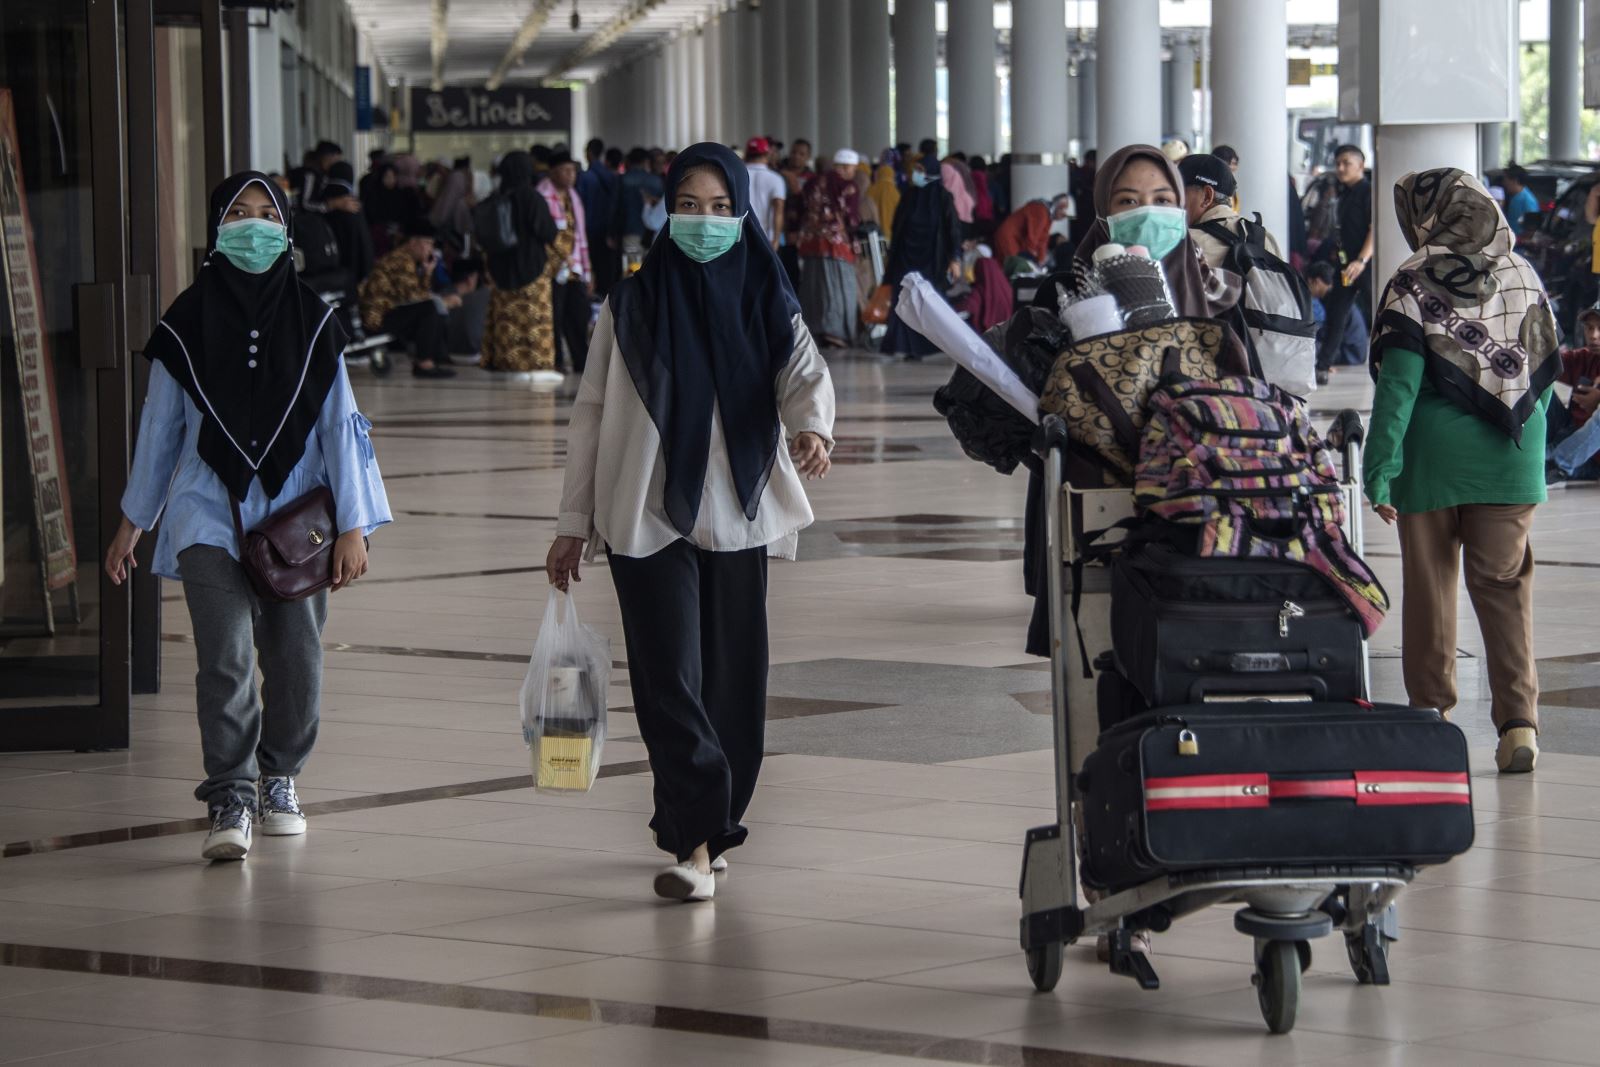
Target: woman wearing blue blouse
249 402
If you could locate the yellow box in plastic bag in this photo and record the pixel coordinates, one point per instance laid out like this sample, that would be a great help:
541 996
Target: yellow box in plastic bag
563 763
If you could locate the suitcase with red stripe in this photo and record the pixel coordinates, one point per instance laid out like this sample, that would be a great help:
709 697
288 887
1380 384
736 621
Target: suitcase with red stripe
1216 786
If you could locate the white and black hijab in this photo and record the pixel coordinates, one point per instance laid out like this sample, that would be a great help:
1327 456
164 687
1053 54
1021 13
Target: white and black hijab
1472 307
257 353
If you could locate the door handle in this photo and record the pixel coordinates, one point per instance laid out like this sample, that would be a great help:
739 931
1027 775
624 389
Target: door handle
95 314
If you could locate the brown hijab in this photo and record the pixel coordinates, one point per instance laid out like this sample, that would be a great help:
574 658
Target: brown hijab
1197 291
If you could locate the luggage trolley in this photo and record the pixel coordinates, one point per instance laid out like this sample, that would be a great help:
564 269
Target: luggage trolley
1285 908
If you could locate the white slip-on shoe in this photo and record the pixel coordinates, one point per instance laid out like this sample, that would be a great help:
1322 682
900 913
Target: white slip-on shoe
719 865
229 838
280 808
683 881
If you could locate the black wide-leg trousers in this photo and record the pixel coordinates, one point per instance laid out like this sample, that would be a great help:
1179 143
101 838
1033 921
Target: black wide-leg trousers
696 628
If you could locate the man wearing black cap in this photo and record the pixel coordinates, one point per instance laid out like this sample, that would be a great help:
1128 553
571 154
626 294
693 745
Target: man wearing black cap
1208 191
398 299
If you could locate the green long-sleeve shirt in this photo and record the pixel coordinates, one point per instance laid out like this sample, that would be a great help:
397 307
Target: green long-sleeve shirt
1425 452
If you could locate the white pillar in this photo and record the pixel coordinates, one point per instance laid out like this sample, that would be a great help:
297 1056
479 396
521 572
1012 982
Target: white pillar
733 107
697 85
1566 93
1088 104
916 79
711 73
774 68
685 125
801 69
1250 86
834 124
970 54
1489 155
1038 99
1180 93
752 113
869 75
661 96
1398 150
1129 89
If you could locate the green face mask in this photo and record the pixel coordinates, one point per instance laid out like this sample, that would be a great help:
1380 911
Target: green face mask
252 245
1156 226
704 237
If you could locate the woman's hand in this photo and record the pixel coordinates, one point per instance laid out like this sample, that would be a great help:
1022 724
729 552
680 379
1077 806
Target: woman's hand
810 454
349 558
121 551
1353 270
561 565
1386 512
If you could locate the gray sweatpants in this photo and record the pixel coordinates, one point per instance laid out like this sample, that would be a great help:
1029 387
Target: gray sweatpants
232 629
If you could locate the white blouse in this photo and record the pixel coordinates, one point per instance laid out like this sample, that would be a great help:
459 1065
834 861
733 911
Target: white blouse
616 471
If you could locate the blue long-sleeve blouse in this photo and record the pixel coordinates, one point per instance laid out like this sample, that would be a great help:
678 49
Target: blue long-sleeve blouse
169 476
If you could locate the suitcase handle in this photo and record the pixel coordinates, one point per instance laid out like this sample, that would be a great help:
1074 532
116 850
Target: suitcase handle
1218 684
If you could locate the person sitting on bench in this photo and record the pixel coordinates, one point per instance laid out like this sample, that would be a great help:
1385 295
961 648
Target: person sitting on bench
397 299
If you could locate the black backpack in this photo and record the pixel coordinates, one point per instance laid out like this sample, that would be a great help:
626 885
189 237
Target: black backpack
1275 309
494 224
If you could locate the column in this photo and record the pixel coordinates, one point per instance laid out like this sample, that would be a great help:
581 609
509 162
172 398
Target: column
753 117
685 124
1129 82
1180 93
834 128
711 74
869 75
1566 92
1038 96
733 120
697 86
1088 104
1250 86
800 17
661 89
1489 154
916 79
774 68
970 53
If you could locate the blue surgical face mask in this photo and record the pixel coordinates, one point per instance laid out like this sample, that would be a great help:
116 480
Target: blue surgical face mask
655 216
252 245
919 178
1159 227
704 237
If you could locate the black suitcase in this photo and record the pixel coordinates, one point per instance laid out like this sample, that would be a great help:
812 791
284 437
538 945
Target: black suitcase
1273 785
1187 627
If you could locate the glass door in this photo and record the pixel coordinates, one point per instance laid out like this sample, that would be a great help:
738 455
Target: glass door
64 630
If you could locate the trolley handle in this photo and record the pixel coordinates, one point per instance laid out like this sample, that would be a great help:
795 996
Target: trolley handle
1051 435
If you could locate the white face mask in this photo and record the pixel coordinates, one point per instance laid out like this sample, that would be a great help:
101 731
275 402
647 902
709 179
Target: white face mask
655 216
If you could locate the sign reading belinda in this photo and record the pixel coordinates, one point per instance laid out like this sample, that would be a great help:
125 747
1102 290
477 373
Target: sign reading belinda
453 110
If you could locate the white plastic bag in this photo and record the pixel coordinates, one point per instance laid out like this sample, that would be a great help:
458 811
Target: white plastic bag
563 700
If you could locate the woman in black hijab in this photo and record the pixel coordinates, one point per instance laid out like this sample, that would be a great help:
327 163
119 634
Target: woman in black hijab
703 404
521 332
249 409
927 240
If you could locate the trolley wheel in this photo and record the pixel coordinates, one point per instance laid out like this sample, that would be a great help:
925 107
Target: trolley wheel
1369 955
1044 965
1277 981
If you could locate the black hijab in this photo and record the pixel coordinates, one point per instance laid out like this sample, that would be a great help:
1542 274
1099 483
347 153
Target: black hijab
254 419
694 335
927 233
522 264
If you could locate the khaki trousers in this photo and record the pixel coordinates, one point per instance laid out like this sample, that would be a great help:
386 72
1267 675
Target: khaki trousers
1493 539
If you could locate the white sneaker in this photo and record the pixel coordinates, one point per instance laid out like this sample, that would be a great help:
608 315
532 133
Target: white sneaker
229 838
547 377
280 808
683 881
719 865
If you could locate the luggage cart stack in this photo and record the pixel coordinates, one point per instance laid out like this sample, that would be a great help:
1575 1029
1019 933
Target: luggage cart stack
1284 908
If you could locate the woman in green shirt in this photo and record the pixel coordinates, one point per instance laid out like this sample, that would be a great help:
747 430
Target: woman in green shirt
1464 349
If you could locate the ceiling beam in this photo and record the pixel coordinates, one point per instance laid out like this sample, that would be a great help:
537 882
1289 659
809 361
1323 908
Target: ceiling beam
439 40
538 15
602 38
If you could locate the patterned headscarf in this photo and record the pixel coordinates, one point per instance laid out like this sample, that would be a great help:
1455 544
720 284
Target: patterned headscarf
1472 307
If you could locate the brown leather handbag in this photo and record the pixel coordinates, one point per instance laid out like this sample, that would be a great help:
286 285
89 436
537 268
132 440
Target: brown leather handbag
290 555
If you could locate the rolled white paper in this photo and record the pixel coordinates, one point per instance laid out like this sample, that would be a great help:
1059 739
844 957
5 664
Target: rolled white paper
924 310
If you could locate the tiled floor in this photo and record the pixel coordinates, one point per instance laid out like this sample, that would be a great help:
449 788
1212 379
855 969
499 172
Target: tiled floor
441 910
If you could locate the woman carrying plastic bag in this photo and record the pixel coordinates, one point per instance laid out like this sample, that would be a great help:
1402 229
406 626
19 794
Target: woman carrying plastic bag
563 700
704 402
